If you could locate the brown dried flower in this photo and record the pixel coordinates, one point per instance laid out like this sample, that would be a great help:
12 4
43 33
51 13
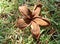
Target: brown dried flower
32 18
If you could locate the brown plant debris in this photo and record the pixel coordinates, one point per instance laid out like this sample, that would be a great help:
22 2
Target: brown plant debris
32 18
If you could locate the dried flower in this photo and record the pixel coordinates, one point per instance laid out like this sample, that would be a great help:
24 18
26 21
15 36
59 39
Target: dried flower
32 18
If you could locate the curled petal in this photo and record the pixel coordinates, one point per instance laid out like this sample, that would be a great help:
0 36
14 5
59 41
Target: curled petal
25 11
35 30
21 24
37 10
42 22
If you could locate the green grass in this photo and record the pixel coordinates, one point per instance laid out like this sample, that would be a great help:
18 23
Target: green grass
9 13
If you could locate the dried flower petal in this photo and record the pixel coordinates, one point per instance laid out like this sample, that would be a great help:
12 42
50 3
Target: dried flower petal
35 29
21 24
25 11
37 10
33 19
41 22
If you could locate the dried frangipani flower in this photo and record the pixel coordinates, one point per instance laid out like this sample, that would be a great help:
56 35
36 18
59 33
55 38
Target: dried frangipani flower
32 18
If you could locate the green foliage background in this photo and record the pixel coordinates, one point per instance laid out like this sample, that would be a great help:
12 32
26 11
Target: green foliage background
9 13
